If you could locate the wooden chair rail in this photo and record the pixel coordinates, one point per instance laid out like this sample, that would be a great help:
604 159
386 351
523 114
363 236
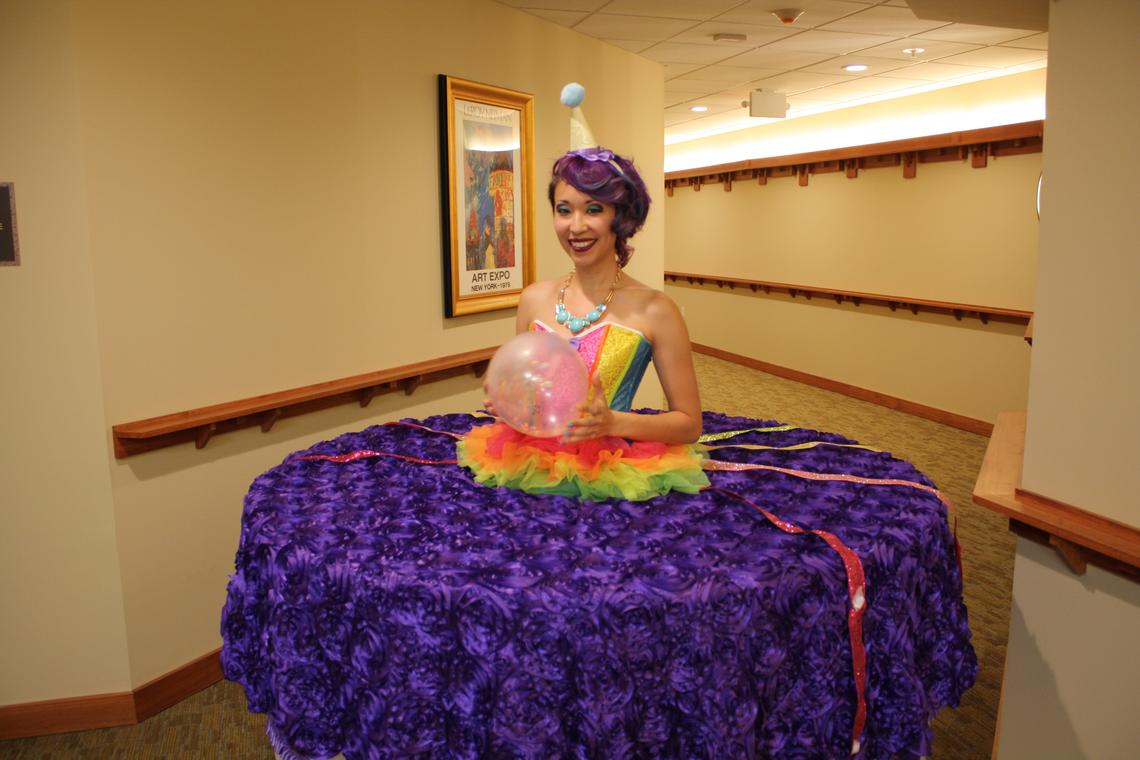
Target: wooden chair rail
199 425
976 144
1080 537
959 310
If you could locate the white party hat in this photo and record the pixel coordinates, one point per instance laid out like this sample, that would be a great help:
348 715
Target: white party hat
580 135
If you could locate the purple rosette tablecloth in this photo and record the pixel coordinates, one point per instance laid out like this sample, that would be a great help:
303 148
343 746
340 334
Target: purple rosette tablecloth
387 608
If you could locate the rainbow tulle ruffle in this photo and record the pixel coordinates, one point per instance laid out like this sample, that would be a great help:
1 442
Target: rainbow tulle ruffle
603 468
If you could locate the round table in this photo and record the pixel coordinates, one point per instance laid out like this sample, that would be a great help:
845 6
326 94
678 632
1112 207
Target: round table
386 605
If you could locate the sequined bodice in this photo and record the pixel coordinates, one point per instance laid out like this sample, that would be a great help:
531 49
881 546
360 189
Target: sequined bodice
618 354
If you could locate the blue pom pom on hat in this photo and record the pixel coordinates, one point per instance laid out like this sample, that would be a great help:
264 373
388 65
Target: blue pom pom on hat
580 135
573 94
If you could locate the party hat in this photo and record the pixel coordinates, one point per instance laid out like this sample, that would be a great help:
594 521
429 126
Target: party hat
580 135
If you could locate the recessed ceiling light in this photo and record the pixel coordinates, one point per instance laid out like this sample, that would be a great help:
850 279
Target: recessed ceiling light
856 67
912 52
698 109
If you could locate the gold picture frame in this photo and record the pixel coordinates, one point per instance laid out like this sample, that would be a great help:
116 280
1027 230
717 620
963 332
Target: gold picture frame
487 195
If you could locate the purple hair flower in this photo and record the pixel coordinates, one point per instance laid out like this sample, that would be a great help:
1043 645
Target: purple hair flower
601 155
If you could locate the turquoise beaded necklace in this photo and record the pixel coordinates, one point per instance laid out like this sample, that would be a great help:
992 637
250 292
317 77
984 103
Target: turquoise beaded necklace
577 324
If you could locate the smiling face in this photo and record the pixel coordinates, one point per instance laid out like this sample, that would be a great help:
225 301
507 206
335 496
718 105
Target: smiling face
583 225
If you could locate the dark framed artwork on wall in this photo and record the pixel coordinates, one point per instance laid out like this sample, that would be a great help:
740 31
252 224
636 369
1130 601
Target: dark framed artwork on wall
9 242
487 190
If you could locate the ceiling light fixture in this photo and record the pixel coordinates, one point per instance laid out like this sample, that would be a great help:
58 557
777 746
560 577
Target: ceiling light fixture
698 109
912 52
788 15
856 67
729 37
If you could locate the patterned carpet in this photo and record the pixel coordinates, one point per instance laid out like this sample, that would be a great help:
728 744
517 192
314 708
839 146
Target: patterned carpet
215 723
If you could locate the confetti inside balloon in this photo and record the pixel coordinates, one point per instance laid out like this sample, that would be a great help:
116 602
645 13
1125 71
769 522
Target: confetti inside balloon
536 381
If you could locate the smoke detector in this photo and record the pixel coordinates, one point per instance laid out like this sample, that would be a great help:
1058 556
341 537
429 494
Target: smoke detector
788 15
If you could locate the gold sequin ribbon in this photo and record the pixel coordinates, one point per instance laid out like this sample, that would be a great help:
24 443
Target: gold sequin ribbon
710 437
794 447
720 464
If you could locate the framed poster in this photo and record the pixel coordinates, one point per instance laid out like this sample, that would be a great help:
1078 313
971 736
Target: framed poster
487 190
9 243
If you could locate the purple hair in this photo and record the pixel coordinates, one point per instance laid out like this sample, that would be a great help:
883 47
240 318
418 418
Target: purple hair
607 177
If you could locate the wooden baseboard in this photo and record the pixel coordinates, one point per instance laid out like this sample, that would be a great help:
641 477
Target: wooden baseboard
155 696
960 421
57 716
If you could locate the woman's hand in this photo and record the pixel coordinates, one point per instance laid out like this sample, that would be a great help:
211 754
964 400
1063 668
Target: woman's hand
488 407
595 419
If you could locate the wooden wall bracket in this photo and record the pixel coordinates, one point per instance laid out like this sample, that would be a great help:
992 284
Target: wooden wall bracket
204 434
1072 554
269 418
980 156
409 384
910 165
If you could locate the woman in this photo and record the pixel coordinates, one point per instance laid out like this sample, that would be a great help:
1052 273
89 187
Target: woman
599 201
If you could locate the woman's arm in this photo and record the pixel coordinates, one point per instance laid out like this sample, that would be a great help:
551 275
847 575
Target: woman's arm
673 359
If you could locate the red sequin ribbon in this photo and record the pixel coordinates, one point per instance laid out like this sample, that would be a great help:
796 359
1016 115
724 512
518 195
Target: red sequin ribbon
368 453
719 464
857 596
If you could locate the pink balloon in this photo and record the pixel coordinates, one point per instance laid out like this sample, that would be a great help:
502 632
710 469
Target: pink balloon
536 382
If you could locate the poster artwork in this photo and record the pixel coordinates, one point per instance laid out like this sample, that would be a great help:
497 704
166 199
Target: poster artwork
489 165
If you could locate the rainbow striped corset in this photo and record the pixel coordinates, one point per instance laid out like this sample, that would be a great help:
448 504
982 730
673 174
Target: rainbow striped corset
618 354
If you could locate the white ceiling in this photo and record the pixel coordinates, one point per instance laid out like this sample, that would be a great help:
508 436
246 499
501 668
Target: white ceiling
802 60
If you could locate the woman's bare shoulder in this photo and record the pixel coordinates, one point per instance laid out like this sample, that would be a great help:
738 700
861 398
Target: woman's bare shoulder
540 290
649 299
636 289
535 299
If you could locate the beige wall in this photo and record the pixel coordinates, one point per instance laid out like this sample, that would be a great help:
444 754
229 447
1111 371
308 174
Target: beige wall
61 607
961 367
252 205
1072 681
1088 314
953 233
1071 670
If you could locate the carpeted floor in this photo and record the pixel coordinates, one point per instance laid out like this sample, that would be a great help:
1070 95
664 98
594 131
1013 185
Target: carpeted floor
215 723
